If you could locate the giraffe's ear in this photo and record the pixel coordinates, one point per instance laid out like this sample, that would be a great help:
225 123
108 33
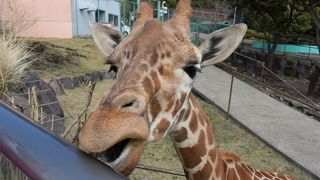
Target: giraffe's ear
106 38
221 44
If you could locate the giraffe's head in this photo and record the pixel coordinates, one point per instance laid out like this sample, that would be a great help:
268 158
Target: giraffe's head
156 65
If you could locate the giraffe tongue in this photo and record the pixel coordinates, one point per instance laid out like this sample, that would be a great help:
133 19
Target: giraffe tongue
114 152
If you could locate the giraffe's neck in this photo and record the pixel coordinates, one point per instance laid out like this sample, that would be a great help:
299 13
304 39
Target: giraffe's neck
201 158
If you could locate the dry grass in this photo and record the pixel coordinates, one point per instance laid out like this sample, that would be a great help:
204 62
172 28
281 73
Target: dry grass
86 58
229 136
9 170
13 59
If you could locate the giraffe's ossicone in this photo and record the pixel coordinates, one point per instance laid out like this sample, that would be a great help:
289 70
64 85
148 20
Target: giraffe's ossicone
156 66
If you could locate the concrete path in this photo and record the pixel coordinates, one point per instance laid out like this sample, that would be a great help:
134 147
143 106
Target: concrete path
292 133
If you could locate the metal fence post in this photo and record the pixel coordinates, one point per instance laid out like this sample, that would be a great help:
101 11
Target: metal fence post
230 96
261 75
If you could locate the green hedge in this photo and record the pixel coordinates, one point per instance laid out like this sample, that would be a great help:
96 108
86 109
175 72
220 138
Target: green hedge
253 34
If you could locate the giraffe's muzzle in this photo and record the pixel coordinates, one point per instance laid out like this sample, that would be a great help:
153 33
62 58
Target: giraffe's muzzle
115 136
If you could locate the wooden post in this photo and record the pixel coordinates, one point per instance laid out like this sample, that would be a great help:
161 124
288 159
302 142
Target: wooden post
34 106
52 120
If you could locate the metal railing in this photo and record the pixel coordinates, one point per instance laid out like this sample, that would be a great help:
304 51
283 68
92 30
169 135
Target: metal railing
41 155
264 70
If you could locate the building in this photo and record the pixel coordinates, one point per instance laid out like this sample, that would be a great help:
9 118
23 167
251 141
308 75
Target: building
86 11
59 18
39 18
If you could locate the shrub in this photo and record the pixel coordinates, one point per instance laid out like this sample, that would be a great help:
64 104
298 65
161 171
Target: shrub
14 60
253 34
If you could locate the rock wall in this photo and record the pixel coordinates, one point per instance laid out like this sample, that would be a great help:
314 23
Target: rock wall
67 82
47 99
290 65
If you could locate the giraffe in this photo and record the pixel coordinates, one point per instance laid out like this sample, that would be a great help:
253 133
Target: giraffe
151 98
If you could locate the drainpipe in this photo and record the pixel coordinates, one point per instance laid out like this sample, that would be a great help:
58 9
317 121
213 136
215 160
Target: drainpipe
77 21
158 9
98 10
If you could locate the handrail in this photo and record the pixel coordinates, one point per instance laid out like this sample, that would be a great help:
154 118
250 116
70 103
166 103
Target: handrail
41 155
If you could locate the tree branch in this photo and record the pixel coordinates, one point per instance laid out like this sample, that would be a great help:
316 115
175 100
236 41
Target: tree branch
77 120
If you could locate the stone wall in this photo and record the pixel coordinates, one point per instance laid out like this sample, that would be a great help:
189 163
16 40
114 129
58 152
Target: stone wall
290 65
52 116
67 82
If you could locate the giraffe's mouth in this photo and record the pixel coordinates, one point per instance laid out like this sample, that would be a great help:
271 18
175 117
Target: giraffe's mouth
113 155
123 156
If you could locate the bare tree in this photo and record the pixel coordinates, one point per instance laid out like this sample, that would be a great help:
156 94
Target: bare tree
78 119
14 16
312 7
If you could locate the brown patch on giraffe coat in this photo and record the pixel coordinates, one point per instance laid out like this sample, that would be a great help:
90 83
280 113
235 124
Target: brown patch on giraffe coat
163 56
143 68
209 135
136 75
161 128
180 135
231 174
188 111
128 55
154 59
221 168
156 80
164 71
168 54
281 176
259 174
202 117
245 168
161 69
148 86
213 154
229 156
242 172
155 108
183 98
255 178
268 175
204 173
192 155
194 122
176 108
181 115
179 104
169 99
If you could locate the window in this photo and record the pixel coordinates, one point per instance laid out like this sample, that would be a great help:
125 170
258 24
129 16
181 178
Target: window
113 19
100 16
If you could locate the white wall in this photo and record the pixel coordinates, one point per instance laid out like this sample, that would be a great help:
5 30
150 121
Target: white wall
82 18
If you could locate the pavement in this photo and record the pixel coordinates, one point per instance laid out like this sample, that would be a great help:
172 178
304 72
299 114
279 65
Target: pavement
290 132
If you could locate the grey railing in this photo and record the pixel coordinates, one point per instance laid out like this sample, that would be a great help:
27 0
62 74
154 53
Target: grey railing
42 155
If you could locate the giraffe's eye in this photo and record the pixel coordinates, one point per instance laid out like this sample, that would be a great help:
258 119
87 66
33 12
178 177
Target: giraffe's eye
191 70
113 68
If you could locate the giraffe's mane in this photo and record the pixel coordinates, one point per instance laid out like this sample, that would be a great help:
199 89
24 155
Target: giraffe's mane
229 156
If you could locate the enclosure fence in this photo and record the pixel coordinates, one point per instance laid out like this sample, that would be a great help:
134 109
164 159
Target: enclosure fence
264 71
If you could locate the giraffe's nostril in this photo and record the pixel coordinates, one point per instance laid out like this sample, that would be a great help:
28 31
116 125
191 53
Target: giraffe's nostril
128 104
